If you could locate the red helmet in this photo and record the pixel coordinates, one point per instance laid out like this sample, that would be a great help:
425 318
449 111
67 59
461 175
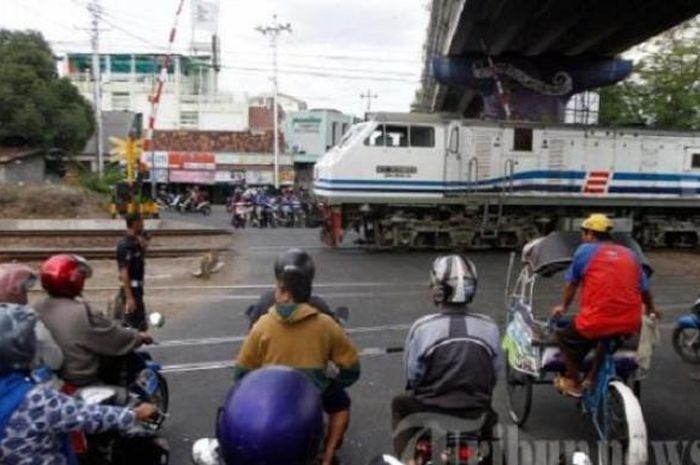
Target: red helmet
65 275
15 281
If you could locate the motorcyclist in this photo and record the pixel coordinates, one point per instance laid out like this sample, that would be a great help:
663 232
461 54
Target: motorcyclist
295 334
291 257
35 418
452 358
15 281
288 425
83 334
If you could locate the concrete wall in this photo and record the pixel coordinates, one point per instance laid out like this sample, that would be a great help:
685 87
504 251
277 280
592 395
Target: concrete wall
27 170
311 133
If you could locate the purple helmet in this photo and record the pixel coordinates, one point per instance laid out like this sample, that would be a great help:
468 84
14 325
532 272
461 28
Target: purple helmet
273 416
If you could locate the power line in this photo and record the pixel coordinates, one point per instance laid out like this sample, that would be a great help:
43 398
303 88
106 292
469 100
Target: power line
369 96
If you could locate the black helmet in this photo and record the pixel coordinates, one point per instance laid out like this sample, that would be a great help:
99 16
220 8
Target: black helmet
295 258
17 338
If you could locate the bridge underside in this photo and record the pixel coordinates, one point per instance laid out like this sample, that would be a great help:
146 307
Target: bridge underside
463 33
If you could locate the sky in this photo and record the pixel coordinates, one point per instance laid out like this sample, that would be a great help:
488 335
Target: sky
337 50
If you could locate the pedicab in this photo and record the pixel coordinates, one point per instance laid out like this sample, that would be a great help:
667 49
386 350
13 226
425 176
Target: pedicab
533 357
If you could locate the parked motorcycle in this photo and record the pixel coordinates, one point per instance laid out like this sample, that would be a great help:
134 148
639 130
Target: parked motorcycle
686 335
189 205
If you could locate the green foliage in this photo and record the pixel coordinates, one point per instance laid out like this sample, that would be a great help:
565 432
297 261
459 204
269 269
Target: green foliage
37 109
104 185
664 90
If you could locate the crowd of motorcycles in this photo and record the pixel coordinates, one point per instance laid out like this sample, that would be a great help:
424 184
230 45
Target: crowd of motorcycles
190 202
257 208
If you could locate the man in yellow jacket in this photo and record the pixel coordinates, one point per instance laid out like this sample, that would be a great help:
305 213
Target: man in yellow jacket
295 334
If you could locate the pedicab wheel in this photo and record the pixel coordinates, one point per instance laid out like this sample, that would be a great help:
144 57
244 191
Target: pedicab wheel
161 397
686 343
519 388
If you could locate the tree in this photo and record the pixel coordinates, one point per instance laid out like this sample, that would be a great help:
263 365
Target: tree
664 90
37 108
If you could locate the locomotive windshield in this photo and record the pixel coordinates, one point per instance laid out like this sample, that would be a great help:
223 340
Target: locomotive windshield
352 134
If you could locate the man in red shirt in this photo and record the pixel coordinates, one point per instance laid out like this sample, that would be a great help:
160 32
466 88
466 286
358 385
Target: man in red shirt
613 288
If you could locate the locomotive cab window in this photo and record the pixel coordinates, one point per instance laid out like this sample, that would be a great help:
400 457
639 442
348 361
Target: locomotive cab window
522 139
695 161
422 136
377 138
396 136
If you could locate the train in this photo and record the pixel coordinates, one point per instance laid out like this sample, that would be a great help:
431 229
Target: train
434 181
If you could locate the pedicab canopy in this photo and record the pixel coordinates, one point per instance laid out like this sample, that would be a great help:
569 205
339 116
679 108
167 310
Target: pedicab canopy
553 253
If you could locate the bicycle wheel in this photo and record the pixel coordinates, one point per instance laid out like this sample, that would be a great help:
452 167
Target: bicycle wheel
622 423
519 388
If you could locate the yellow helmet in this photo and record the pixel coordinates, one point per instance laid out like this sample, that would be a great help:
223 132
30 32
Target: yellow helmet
597 222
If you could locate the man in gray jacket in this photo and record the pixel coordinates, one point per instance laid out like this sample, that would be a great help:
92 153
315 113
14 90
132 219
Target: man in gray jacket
452 357
84 335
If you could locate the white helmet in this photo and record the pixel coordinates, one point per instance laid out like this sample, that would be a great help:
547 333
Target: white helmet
453 279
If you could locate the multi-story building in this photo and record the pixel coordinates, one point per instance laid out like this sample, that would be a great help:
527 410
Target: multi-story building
310 134
190 98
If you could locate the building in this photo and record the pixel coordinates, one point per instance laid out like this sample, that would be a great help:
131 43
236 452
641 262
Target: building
217 159
287 103
20 165
189 100
310 134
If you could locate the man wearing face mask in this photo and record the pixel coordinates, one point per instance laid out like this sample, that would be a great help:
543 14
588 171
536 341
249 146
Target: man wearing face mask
295 334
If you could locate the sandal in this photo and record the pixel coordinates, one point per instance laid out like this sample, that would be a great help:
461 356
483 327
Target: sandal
568 386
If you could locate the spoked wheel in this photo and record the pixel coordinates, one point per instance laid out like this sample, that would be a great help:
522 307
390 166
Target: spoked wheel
686 343
162 396
519 387
622 423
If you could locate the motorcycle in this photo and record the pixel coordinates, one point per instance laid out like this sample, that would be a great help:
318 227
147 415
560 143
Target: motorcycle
141 445
686 335
129 381
189 205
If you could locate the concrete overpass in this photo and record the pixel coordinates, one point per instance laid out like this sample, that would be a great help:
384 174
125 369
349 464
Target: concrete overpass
539 37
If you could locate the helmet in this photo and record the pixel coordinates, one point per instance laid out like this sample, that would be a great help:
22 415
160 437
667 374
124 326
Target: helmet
65 275
273 416
15 281
17 338
597 222
453 279
296 258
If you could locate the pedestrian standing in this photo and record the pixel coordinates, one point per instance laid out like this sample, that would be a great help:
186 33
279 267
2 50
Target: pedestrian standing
131 255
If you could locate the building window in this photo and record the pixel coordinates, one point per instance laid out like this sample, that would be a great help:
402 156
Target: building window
522 139
189 119
121 101
422 136
695 161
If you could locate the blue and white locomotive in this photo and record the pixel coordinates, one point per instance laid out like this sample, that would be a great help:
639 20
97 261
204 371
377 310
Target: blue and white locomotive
432 181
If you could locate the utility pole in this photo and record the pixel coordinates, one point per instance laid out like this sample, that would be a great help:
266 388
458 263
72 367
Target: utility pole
273 31
95 10
369 96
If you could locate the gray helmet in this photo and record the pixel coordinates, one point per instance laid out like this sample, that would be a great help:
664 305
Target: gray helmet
17 338
453 279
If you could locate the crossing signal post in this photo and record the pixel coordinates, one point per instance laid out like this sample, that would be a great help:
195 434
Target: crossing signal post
130 195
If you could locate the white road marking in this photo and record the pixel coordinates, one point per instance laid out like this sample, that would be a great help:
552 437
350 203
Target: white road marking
234 339
222 364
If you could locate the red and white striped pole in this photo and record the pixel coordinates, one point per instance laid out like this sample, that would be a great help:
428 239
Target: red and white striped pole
155 98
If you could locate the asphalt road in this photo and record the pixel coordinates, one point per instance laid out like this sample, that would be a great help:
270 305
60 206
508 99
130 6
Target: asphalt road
386 292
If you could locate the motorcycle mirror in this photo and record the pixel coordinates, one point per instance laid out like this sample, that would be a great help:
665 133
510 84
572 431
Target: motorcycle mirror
156 320
343 313
205 451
